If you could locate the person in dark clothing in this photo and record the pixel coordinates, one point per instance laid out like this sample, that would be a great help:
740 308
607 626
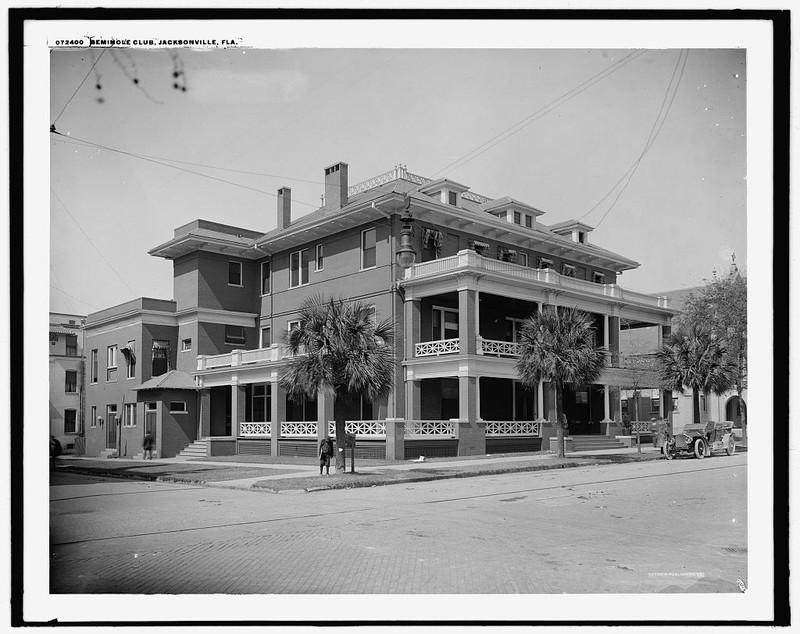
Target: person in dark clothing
147 445
325 453
55 450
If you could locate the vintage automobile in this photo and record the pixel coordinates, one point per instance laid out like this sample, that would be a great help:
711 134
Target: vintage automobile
700 439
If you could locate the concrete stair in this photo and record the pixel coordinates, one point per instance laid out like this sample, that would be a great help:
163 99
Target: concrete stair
593 442
198 449
107 453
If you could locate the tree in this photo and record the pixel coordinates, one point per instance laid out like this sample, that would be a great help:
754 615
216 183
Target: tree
694 357
557 346
722 304
339 349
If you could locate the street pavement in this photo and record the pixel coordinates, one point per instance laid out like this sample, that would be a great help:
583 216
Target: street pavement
643 527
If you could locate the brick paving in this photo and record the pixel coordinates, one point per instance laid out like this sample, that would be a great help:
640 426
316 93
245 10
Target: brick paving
582 530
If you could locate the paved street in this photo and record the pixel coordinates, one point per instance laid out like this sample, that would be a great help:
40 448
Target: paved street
661 526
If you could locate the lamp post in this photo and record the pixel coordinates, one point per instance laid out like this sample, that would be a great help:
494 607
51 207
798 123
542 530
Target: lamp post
406 254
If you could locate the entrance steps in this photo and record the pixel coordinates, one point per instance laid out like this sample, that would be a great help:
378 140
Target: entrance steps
595 442
107 453
198 449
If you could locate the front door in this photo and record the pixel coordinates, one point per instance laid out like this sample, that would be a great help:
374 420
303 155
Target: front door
111 427
150 419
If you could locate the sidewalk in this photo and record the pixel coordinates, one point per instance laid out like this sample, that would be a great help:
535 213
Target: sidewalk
302 475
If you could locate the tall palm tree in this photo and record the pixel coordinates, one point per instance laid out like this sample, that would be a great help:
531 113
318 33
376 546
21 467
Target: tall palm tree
339 349
694 357
557 346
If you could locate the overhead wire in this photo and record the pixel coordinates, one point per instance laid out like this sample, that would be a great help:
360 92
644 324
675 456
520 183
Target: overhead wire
77 224
541 112
79 87
182 169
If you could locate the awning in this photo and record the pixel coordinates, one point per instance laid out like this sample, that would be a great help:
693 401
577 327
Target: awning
129 354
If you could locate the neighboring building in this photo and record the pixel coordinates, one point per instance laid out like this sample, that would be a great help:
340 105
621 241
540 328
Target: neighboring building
483 266
66 379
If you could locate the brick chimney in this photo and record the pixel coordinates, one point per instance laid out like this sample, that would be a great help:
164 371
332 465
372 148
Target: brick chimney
336 186
284 207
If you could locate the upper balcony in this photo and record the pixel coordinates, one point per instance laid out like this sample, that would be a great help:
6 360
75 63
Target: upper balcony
470 261
273 354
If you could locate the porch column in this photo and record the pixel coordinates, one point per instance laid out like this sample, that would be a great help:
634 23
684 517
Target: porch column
238 397
413 401
471 434
613 336
277 414
467 312
606 347
413 325
205 414
324 414
540 401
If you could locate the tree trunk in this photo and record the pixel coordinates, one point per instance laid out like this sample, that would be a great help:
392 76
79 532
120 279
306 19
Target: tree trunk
341 438
743 410
559 422
695 405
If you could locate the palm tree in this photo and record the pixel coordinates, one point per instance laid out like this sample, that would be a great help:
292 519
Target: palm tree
557 346
339 349
694 357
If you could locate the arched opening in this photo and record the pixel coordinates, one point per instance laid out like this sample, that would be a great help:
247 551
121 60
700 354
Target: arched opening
734 409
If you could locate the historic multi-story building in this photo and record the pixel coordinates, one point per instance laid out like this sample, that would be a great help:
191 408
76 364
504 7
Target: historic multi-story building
482 266
66 378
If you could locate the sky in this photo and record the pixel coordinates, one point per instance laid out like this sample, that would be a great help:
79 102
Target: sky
495 119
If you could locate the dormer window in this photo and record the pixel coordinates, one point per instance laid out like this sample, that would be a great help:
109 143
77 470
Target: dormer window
544 263
598 278
567 270
517 218
582 237
452 198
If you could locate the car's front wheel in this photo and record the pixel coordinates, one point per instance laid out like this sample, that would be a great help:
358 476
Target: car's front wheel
700 448
731 448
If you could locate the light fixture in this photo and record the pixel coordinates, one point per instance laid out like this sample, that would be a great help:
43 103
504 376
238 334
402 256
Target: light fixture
406 254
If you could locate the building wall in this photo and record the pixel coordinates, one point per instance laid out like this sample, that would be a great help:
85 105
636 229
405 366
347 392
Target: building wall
60 400
176 430
201 281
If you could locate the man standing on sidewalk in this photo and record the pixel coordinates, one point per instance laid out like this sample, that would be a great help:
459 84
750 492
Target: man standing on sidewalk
325 453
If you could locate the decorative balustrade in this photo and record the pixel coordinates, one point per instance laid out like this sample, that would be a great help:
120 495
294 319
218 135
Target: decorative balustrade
365 428
549 277
640 427
435 348
299 428
499 348
513 428
255 429
234 358
434 428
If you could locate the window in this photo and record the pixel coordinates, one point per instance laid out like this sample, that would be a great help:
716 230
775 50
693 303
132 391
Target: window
544 263
318 257
567 270
93 416
266 274
161 357
522 258
72 345
452 198
111 363
69 421
234 273
655 401
298 268
130 356
234 335
598 278
294 324
529 221
266 337
70 381
517 218
186 345
261 402
93 366
368 248
111 414
703 403
177 407
514 328
445 323
581 237
129 418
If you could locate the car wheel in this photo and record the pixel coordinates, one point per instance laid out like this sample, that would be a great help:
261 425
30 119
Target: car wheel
731 448
667 453
700 448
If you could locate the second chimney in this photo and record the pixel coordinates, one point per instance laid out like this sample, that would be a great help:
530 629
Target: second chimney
336 186
284 207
